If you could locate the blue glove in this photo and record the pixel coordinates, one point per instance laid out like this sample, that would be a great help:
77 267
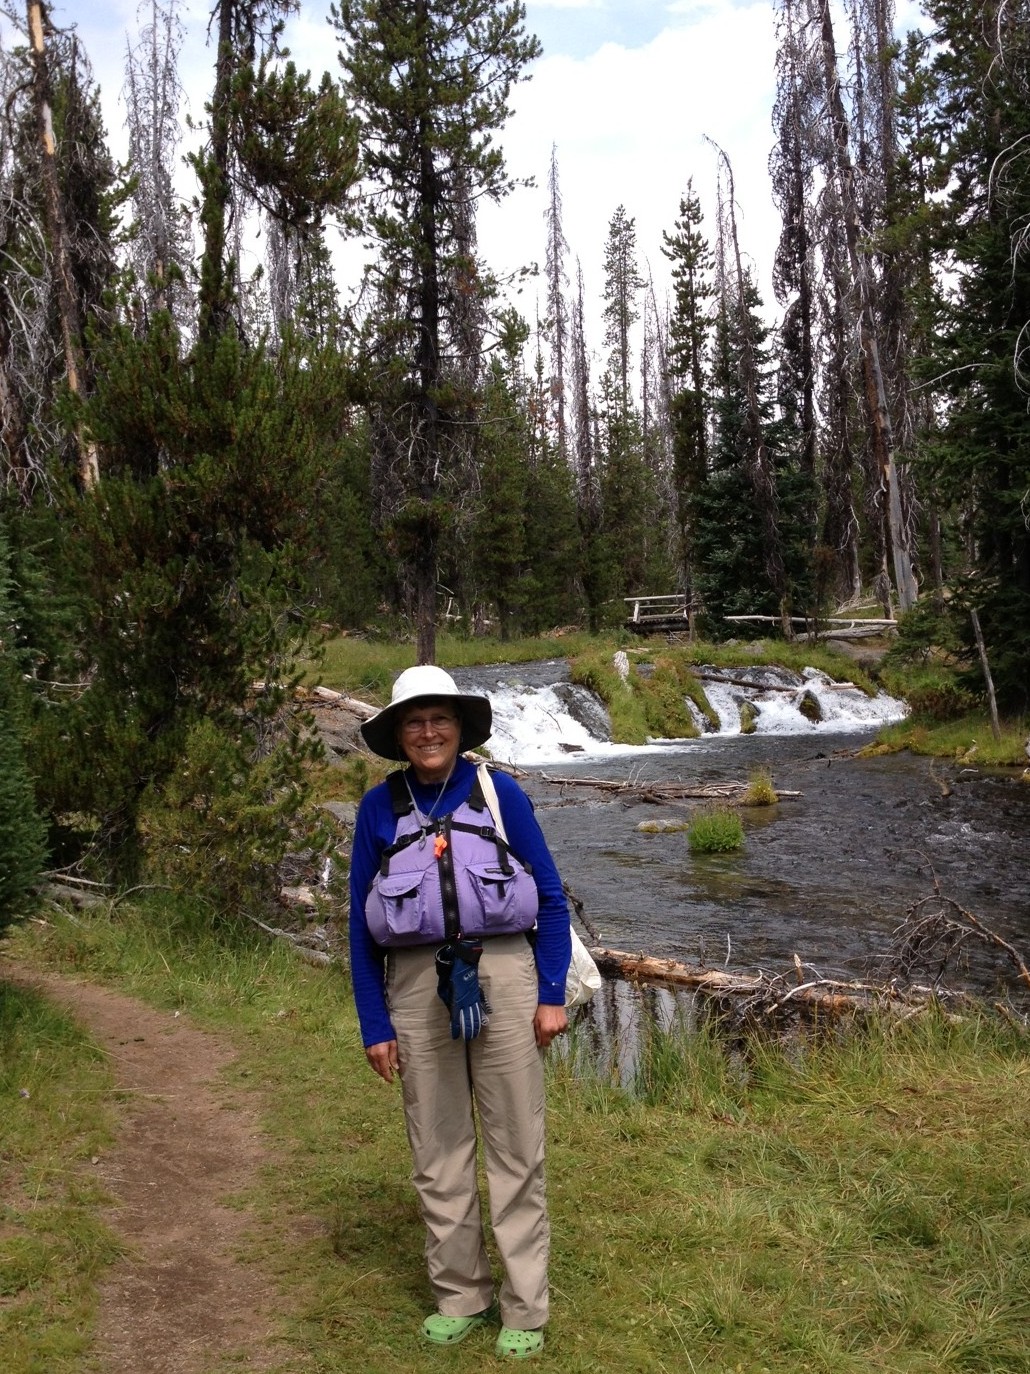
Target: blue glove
457 967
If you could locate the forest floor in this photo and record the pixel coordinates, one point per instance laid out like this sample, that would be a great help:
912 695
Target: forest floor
180 1300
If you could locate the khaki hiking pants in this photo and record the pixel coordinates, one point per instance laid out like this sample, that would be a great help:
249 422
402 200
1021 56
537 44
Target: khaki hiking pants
499 1074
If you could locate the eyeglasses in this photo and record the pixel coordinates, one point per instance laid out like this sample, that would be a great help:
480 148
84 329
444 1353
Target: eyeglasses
416 724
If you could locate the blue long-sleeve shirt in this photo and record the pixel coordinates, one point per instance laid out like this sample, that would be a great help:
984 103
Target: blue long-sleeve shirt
374 831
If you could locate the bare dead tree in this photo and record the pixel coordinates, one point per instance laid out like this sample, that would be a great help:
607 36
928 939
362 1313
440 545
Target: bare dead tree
656 422
557 306
69 314
881 431
583 432
792 168
152 93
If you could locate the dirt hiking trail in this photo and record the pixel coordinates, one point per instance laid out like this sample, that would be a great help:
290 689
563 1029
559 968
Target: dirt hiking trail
179 1301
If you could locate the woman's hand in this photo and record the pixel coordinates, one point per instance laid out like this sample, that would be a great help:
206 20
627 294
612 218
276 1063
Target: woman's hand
548 1022
383 1058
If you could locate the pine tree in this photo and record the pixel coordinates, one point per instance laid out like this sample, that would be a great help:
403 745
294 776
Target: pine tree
622 285
274 143
980 459
431 82
690 326
731 534
498 539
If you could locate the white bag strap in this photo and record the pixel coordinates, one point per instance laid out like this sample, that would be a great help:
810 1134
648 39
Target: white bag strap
493 804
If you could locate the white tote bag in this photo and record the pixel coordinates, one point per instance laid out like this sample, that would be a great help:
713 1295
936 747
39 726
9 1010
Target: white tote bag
584 977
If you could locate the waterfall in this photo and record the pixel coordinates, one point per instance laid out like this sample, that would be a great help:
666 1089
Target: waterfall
540 717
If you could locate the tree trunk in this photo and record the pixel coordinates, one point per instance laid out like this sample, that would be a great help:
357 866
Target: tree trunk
57 233
214 167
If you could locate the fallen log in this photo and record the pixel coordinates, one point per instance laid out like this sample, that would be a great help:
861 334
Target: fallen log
660 791
770 992
352 704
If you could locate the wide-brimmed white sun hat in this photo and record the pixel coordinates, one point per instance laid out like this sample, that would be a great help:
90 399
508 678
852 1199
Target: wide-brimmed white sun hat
427 682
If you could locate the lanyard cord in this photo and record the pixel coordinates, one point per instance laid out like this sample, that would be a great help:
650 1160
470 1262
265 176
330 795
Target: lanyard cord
424 819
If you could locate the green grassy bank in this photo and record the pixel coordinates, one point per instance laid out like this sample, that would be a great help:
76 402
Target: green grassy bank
862 1205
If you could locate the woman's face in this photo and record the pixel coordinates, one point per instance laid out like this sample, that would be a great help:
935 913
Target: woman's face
429 735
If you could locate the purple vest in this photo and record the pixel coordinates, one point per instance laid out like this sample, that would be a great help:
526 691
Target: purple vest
428 891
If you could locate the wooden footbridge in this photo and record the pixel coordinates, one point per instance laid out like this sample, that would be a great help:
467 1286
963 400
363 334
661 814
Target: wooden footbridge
650 615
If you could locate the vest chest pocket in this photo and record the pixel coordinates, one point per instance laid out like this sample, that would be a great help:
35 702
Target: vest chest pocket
403 917
503 898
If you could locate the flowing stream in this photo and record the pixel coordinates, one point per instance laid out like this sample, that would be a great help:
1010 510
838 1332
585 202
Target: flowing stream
827 874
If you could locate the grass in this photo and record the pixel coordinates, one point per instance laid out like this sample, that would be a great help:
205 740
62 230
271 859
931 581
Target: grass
856 1203
715 830
967 739
54 1119
760 789
859 1206
368 666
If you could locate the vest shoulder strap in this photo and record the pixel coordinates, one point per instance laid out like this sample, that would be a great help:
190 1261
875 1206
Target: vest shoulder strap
400 798
476 799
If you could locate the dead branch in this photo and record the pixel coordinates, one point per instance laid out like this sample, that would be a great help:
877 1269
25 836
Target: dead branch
301 944
580 911
925 938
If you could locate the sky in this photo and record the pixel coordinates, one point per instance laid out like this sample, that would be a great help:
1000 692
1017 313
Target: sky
627 91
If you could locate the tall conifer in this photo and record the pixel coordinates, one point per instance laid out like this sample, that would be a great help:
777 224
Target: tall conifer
430 81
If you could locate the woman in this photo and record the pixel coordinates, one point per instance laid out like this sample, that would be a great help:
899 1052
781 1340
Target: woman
460 947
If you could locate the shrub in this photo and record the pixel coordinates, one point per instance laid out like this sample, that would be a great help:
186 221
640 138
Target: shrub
760 790
223 821
937 695
716 830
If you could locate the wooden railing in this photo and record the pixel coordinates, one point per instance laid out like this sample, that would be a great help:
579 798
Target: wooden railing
647 609
668 612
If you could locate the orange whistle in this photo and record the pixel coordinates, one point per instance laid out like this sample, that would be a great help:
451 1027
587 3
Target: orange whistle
439 845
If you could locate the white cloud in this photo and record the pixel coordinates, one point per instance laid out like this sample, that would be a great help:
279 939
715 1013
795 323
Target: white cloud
630 127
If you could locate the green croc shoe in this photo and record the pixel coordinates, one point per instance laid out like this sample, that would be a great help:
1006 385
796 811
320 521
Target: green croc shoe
443 1330
520 1345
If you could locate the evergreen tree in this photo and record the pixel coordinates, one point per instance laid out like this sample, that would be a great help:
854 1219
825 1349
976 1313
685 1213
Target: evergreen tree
274 142
22 839
184 568
980 458
731 536
431 82
736 300
622 285
689 330
525 537
498 539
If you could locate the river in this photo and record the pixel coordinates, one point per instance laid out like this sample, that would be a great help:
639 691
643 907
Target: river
827 875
